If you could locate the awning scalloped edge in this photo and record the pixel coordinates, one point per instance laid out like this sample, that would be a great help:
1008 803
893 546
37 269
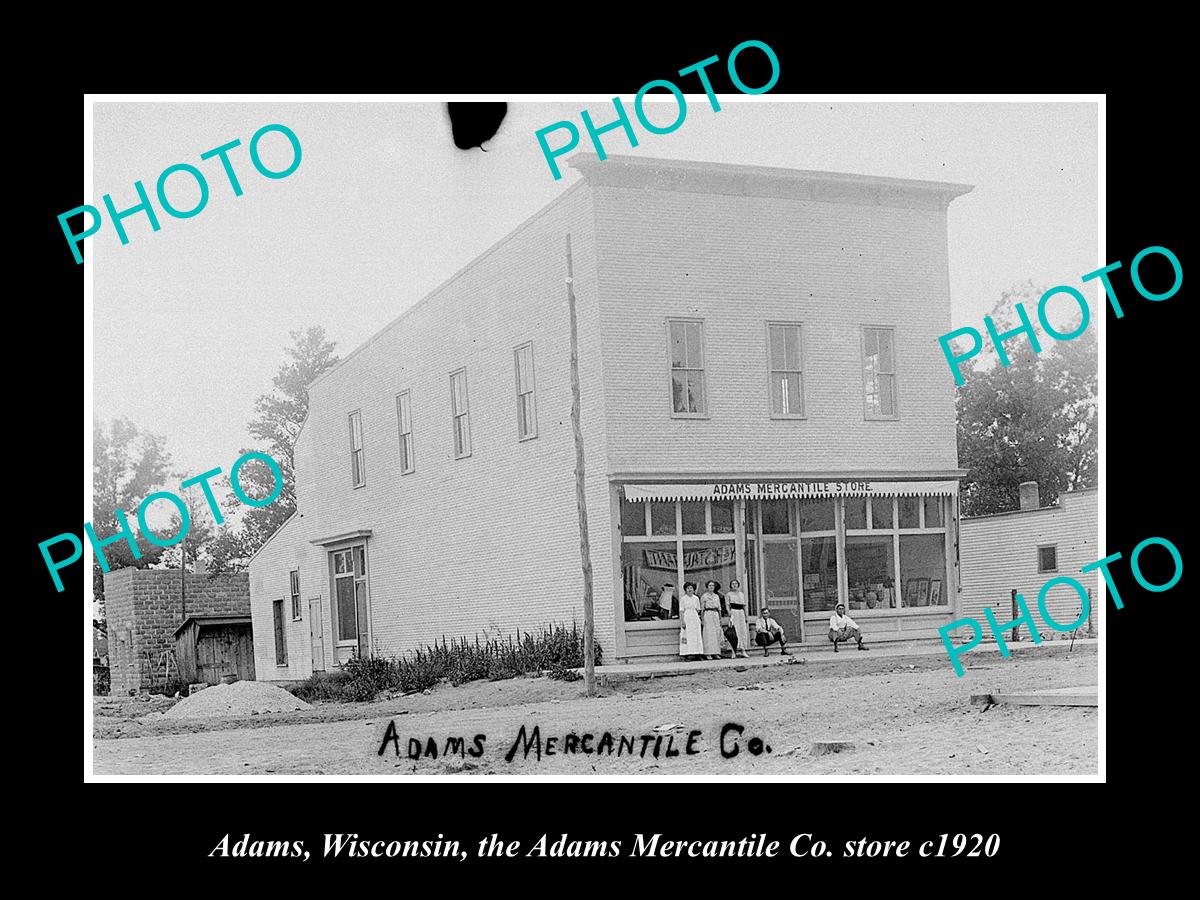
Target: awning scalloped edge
777 490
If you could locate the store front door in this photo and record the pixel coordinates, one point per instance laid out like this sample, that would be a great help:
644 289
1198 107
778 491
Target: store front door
772 563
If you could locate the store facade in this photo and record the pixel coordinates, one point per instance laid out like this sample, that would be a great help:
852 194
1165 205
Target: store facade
761 398
887 549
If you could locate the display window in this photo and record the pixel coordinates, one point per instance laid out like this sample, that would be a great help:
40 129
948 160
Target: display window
878 555
665 544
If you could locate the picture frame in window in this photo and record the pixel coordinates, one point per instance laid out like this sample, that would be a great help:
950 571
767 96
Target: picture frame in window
911 587
922 592
935 592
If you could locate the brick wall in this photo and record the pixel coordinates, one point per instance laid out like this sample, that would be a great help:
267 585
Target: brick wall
144 608
739 262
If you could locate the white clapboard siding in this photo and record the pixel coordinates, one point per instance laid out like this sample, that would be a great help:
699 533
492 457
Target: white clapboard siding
1000 553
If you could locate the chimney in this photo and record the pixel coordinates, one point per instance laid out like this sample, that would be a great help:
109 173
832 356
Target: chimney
1029 495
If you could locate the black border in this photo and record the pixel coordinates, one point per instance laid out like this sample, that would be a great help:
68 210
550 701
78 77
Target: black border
1051 833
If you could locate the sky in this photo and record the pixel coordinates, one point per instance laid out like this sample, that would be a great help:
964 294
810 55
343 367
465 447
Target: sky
190 321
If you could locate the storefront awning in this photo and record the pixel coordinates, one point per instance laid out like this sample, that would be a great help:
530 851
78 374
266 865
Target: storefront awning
777 490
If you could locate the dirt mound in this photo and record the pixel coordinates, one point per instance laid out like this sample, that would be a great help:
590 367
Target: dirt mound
242 698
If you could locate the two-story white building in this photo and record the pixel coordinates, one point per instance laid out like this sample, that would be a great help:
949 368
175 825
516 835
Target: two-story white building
763 398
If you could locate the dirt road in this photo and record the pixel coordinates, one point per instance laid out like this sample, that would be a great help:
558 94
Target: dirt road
903 717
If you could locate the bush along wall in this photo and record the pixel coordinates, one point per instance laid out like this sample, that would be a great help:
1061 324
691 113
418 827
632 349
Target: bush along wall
555 651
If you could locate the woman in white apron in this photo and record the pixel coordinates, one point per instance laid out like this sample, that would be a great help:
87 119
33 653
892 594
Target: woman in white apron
691 641
736 601
710 604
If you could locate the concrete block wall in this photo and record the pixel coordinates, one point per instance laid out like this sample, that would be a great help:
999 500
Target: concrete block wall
144 607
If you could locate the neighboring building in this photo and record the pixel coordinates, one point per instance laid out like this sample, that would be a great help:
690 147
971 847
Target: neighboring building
210 648
762 397
99 645
100 684
145 608
1022 550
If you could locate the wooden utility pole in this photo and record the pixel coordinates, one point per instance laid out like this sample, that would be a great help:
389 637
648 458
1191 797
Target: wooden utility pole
183 578
585 554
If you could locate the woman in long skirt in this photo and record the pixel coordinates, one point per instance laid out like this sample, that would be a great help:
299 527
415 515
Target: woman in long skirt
710 603
691 642
736 602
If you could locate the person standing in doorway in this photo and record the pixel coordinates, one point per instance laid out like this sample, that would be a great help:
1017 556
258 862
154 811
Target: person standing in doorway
691 641
711 605
736 601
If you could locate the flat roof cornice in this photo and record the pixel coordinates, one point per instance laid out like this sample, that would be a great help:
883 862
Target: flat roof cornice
764 181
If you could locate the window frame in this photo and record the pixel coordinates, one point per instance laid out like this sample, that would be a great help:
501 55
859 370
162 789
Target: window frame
896 532
868 415
771 370
405 447
1040 548
531 422
702 369
294 589
464 414
679 539
356 579
280 633
356 414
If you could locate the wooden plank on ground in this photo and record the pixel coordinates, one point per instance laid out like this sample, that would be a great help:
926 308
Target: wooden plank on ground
1072 696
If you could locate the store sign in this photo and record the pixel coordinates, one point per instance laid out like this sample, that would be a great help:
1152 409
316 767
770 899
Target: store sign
709 558
775 490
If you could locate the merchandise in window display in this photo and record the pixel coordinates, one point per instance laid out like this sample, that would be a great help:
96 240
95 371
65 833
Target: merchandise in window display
935 592
922 592
910 592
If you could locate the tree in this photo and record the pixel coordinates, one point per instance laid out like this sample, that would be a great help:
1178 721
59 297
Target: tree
1033 420
201 531
279 417
127 465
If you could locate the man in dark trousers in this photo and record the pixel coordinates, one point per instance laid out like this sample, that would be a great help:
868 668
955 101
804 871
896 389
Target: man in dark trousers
768 632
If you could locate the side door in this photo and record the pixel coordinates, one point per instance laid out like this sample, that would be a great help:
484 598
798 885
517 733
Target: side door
316 632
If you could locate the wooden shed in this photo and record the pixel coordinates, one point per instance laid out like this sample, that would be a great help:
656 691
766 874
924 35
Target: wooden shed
208 647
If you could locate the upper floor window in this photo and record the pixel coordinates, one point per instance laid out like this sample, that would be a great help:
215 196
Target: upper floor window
1047 558
526 408
879 372
460 416
404 422
787 375
358 470
294 584
686 338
